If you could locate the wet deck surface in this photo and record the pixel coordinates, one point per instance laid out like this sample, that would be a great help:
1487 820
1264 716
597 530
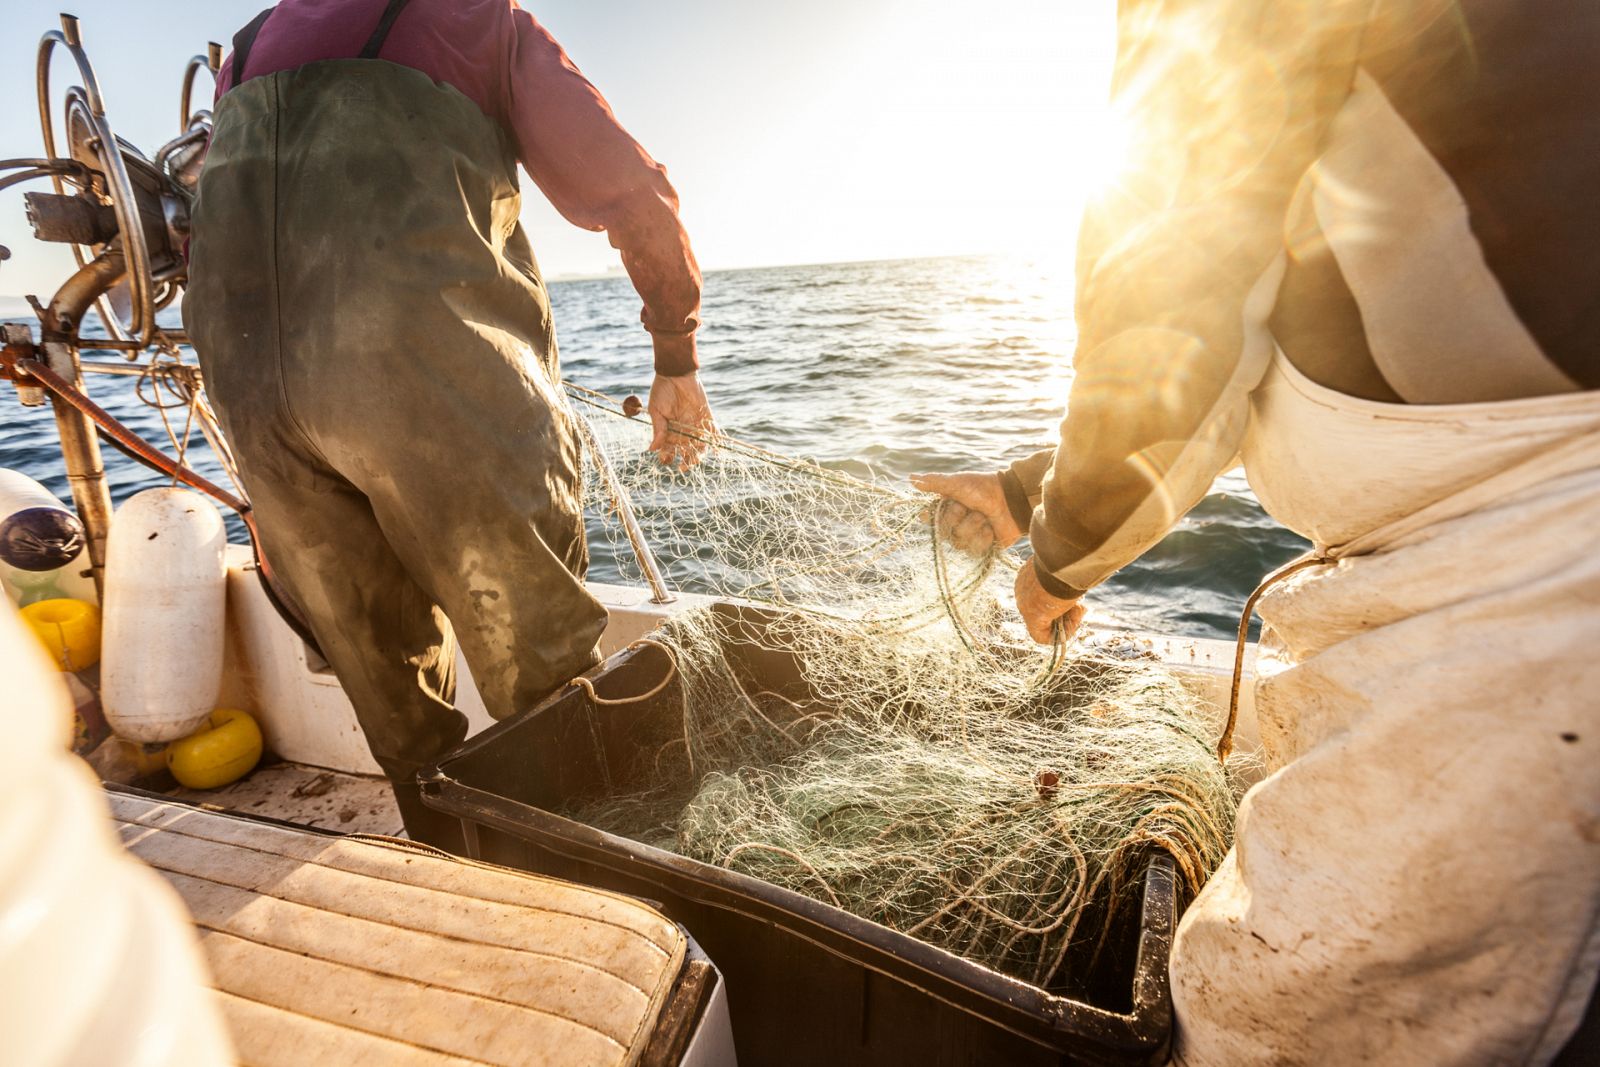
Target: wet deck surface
310 796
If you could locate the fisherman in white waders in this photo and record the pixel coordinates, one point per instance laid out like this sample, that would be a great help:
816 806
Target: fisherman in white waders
1358 243
378 342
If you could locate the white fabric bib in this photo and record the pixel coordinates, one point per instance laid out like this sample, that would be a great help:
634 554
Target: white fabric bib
1418 879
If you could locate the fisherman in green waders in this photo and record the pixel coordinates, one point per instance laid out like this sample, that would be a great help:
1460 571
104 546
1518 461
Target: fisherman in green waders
378 342
1358 247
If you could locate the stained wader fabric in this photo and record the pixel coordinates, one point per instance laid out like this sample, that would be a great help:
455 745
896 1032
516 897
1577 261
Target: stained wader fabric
377 340
1418 879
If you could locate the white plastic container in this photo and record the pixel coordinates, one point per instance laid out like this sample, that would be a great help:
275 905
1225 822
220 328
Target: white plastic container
164 615
43 553
98 963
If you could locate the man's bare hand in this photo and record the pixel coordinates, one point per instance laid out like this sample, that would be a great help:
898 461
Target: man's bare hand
1040 610
976 515
679 403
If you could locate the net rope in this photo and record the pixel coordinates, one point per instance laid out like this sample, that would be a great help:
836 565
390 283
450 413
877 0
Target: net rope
874 730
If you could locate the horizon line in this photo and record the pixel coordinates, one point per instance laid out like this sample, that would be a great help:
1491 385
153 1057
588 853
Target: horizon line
618 272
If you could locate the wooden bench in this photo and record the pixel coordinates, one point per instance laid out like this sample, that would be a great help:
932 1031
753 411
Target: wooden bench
326 949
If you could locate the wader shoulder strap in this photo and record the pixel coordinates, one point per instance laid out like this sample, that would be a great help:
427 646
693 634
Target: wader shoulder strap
242 42
381 33
247 37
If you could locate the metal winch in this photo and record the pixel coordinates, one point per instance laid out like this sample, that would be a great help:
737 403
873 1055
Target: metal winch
126 216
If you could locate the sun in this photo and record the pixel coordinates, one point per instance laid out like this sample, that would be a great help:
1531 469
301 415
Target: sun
1100 151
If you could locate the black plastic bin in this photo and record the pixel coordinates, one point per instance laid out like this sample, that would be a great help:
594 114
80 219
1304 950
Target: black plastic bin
808 984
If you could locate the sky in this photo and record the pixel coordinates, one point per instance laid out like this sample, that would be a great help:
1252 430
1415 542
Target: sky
795 132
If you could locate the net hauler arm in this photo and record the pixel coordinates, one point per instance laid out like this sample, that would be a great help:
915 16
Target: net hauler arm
1179 263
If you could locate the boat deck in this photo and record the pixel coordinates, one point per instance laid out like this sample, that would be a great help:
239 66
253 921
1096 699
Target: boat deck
308 796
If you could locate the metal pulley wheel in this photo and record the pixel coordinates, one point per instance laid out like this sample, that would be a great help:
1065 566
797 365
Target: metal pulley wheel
91 141
188 118
180 158
148 200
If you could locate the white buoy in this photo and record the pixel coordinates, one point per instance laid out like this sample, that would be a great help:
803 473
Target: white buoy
43 552
164 615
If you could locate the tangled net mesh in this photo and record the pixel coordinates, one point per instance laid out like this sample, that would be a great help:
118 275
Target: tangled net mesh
875 732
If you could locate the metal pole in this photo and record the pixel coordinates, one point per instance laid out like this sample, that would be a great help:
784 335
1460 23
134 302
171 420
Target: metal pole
86 473
647 559
80 448
619 499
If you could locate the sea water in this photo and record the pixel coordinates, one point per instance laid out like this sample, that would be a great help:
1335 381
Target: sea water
881 369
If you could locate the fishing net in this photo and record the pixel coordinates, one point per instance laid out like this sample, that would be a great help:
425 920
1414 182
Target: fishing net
873 729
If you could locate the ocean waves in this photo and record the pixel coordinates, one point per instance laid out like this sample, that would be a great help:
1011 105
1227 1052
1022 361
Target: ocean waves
879 368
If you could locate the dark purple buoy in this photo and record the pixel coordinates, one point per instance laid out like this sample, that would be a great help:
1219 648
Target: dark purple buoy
40 539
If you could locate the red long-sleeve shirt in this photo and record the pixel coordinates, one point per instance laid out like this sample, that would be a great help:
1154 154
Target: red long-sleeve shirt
582 159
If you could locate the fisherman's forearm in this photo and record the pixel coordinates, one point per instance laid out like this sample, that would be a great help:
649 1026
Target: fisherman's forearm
1178 268
662 267
599 178
1132 462
1023 484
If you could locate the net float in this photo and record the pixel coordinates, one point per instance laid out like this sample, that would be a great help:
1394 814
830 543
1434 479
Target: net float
37 531
225 750
164 614
69 630
42 544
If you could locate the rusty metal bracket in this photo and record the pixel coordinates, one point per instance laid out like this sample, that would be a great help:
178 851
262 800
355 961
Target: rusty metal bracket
17 341
41 372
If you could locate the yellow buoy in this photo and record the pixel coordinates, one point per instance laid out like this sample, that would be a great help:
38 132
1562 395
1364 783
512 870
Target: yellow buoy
147 759
119 759
224 751
69 630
